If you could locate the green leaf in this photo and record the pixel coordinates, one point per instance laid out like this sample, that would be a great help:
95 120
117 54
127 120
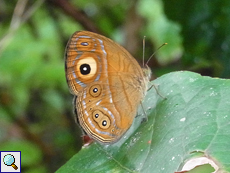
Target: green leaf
193 119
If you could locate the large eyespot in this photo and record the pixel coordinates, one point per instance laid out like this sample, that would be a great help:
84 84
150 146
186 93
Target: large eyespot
86 67
95 90
102 119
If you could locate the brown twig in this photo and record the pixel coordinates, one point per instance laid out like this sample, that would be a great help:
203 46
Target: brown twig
20 16
48 150
21 122
133 24
75 13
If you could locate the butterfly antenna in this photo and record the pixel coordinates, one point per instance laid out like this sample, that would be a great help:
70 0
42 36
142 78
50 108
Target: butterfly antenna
143 59
154 53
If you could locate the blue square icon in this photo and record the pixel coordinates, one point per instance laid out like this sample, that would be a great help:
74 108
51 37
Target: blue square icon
10 161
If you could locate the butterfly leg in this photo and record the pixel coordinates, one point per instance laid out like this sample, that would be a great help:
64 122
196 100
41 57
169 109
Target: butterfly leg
145 119
156 91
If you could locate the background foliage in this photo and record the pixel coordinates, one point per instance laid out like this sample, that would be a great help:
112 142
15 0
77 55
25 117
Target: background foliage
35 105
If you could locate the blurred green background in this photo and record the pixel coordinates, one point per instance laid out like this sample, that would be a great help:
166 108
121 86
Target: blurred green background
35 104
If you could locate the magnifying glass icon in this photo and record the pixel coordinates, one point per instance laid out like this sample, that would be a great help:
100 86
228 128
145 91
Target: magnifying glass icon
9 160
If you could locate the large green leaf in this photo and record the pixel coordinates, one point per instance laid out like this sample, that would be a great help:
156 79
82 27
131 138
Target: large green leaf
193 120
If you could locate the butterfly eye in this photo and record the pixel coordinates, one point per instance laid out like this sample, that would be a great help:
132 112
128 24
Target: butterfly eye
95 90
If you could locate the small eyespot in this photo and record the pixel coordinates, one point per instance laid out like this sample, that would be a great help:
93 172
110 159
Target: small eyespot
85 69
84 43
113 131
95 90
104 122
96 115
101 119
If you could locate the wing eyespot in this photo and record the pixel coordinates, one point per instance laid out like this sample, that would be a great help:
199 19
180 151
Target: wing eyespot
86 68
101 119
95 90
84 43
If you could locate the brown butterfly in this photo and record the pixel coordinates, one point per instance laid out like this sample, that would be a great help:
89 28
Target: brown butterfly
108 85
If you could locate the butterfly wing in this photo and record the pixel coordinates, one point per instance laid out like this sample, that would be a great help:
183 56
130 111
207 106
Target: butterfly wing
108 82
